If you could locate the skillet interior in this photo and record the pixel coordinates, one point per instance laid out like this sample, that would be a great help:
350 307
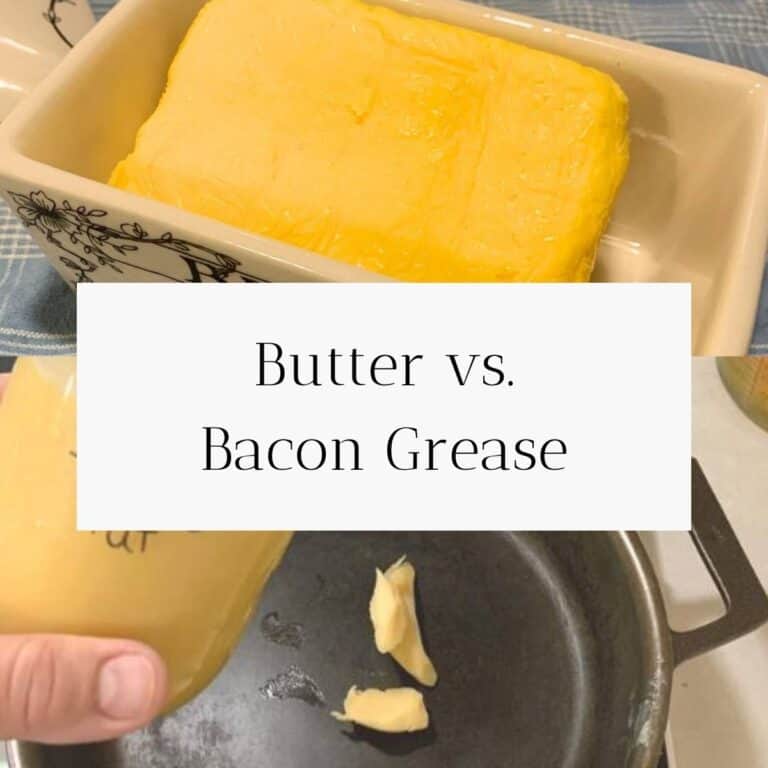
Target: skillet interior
543 652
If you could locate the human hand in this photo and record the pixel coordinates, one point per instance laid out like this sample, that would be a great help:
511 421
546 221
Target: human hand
63 689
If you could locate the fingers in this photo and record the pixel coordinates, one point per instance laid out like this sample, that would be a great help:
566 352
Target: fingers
66 689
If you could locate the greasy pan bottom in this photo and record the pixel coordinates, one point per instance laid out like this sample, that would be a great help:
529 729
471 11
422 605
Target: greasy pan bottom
539 642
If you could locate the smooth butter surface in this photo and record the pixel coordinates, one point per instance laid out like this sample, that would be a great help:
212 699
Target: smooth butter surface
402 145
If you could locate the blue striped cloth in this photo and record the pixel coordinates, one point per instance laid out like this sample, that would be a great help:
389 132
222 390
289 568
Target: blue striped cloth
37 309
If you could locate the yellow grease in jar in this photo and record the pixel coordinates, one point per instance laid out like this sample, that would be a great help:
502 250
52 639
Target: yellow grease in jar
746 379
188 595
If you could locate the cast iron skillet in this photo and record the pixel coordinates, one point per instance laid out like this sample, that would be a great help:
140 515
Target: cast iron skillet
553 650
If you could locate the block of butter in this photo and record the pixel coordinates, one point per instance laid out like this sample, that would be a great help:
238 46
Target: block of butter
402 145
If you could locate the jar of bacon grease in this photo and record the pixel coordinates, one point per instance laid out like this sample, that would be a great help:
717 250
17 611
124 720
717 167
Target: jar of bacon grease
188 595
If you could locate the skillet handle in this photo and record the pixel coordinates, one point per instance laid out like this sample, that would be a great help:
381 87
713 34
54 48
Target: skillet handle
744 597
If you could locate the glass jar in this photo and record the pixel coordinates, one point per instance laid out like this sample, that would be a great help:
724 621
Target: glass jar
746 379
188 595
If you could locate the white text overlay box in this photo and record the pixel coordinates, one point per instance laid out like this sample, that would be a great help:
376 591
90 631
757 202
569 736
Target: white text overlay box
383 407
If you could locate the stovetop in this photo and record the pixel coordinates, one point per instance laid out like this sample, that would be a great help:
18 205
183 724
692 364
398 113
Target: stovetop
718 700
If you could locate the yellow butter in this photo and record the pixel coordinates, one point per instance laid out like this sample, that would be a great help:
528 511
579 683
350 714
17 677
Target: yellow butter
395 710
402 145
389 614
396 624
189 595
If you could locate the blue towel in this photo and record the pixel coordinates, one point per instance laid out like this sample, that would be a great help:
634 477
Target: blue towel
37 310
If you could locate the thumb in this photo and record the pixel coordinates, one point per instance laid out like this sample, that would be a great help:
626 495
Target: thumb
63 689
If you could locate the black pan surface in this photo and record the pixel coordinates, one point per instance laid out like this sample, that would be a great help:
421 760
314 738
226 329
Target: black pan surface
534 637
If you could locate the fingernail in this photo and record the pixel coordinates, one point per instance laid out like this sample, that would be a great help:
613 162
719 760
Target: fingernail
126 687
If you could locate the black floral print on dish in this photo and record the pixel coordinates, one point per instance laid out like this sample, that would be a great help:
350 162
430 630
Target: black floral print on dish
53 18
89 247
